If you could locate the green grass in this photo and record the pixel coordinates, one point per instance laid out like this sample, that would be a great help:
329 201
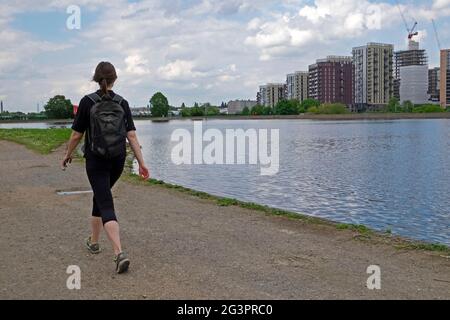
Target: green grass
354 227
43 141
226 202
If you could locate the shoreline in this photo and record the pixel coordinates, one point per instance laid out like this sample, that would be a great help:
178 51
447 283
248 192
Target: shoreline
362 231
400 242
318 117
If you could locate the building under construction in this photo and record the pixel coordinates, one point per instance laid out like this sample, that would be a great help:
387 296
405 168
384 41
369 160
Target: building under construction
411 74
414 56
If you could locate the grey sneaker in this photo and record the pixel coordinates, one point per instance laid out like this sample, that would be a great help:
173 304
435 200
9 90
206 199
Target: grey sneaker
122 262
93 248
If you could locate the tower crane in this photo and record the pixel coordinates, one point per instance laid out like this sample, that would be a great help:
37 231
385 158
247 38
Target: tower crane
436 34
411 31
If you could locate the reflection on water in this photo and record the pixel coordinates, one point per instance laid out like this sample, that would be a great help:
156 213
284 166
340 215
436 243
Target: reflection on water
384 174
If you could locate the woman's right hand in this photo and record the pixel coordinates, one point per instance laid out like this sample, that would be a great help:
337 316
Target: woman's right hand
66 161
144 172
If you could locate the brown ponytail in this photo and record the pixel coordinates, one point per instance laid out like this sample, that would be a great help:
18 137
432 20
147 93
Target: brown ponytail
105 75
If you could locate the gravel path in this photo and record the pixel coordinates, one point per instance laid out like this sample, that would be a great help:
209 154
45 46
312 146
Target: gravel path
183 247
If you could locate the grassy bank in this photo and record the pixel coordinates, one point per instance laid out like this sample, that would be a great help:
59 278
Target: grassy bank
43 141
361 232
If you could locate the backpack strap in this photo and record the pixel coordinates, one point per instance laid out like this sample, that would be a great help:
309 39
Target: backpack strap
95 97
118 99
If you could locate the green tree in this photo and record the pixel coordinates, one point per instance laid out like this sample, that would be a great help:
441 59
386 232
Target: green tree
185 112
197 111
308 103
260 110
393 105
213 111
245 111
59 107
183 106
160 105
287 107
407 106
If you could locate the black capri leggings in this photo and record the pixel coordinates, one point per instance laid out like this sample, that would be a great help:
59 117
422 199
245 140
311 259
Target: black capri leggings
103 174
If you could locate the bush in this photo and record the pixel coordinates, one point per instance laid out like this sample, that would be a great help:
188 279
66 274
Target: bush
197 111
407 106
329 108
394 105
259 110
307 104
427 108
287 107
246 111
185 112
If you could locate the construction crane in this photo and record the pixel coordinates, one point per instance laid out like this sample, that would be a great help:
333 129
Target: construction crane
411 31
436 34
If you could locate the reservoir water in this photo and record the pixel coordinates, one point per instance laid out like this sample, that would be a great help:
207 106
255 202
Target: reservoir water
388 175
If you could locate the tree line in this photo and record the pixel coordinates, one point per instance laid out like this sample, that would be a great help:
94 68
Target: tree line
295 107
59 107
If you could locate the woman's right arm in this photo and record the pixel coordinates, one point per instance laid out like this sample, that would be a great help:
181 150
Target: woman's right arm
73 143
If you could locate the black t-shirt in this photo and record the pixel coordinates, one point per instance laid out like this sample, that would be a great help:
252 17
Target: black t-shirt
82 118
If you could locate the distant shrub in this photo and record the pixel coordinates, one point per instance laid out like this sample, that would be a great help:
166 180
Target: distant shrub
427 108
329 108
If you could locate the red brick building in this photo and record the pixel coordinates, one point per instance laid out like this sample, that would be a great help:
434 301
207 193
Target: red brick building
331 80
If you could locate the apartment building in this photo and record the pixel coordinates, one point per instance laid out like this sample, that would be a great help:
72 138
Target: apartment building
445 79
271 93
373 76
434 79
331 80
297 86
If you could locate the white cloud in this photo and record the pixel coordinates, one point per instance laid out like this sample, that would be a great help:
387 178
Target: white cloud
136 65
179 70
183 47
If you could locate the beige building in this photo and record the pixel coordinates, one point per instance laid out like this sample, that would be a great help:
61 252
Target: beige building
297 86
237 106
373 75
445 79
270 94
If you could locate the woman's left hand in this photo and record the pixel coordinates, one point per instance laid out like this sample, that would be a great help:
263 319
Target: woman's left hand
144 172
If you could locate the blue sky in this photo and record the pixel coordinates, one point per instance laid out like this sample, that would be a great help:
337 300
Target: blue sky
197 50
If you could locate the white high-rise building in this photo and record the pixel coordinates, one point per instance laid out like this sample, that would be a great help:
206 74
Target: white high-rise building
411 72
414 84
271 93
297 86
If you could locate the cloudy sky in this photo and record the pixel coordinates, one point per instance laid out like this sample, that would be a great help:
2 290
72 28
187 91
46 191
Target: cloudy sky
191 50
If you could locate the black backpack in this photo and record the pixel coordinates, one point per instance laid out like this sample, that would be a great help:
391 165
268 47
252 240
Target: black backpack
107 133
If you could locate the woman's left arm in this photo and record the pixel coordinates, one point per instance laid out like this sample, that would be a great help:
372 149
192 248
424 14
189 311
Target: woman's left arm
72 145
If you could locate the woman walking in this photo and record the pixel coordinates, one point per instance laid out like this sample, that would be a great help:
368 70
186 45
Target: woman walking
106 119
